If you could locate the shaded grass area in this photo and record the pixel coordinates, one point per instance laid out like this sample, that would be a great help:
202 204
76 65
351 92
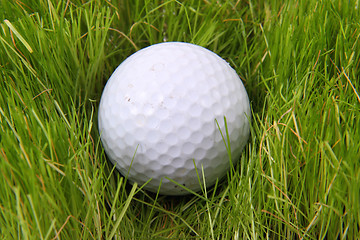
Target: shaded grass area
298 177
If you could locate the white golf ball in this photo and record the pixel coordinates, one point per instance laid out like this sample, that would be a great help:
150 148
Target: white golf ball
158 117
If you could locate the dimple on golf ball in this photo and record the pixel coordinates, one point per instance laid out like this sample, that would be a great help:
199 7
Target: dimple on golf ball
161 117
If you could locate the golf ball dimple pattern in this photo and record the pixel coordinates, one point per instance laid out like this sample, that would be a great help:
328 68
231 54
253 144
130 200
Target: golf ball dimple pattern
159 115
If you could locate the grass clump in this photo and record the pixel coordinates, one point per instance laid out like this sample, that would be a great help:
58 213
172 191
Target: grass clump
298 177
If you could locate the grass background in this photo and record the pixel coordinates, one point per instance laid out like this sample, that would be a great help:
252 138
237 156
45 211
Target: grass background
298 178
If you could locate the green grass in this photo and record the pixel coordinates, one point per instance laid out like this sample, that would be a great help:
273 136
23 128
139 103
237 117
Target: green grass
298 178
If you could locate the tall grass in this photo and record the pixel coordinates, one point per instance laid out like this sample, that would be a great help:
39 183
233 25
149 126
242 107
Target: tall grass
298 178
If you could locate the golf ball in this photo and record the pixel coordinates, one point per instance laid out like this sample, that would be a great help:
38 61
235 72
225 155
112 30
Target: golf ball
161 117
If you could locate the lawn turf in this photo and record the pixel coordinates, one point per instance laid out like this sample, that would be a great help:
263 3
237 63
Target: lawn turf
298 177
